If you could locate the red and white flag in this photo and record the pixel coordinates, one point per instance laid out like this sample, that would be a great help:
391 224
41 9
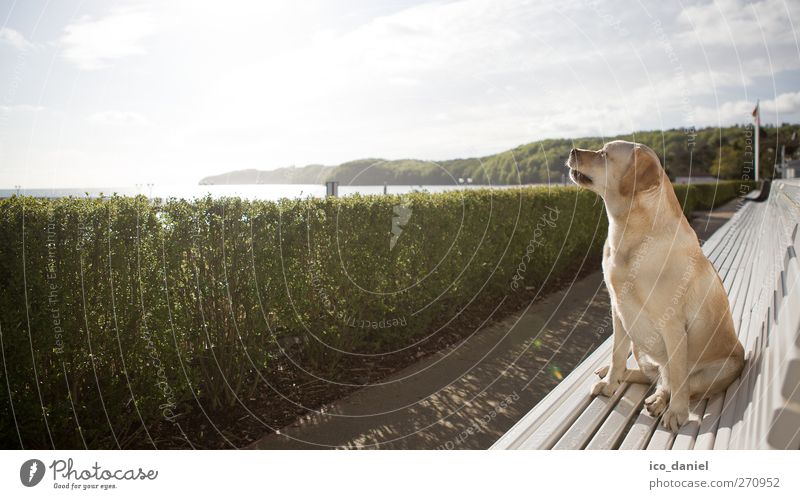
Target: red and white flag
757 114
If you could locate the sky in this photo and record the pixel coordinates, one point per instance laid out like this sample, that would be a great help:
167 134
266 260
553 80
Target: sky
114 93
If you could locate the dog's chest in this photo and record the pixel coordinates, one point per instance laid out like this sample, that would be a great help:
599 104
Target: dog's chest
630 273
632 280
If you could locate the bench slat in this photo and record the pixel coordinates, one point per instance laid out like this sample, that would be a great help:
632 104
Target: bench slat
662 438
709 424
687 435
639 434
784 431
609 434
588 421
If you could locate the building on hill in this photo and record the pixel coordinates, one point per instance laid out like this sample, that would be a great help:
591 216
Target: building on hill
789 169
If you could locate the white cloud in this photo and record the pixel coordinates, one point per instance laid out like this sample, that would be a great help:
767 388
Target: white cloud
742 22
118 118
24 108
786 103
96 43
739 111
15 39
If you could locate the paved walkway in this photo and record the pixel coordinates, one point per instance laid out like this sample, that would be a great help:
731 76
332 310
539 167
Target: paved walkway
706 223
467 397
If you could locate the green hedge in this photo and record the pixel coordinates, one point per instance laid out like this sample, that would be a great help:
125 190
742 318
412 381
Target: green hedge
698 197
118 314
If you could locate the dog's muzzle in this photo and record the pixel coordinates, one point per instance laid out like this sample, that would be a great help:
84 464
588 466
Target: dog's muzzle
576 176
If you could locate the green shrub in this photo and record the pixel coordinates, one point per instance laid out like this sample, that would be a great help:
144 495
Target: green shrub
116 313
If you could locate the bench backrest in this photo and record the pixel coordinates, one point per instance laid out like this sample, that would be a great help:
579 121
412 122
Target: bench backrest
774 419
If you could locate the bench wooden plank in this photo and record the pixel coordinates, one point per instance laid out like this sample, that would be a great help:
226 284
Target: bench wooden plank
715 243
743 408
610 432
687 435
709 424
733 247
640 433
757 234
662 438
733 265
784 432
754 417
584 427
737 283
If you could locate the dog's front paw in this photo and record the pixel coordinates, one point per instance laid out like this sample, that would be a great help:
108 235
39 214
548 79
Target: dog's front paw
605 387
656 403
674 418
602 371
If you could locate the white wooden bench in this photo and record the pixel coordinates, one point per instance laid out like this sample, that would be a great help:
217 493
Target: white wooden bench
756 256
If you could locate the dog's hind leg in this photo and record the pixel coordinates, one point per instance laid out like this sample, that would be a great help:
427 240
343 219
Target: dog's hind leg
714 377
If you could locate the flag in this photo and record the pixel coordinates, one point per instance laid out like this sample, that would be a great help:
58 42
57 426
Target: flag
757 114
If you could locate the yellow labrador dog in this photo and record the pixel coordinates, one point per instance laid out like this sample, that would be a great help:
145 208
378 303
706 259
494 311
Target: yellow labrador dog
667 300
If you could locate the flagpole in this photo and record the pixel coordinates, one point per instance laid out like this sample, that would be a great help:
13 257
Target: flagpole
757 115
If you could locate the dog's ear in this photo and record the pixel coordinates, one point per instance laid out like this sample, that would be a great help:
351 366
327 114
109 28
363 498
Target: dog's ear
644 172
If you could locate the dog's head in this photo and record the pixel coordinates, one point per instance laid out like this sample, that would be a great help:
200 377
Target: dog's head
620 168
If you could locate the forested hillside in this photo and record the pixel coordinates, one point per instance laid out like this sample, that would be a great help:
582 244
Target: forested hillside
708 151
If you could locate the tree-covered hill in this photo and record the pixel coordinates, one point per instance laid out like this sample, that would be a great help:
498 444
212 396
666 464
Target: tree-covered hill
708 151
